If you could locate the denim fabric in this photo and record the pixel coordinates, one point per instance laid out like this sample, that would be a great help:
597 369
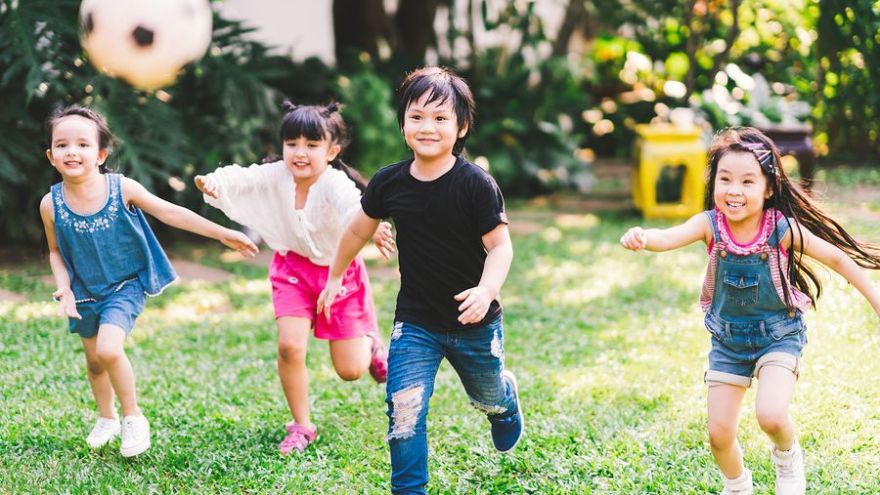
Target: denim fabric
476 354
101 250
747 318
121 308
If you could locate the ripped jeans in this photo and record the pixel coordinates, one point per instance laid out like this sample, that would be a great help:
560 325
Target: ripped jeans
476 354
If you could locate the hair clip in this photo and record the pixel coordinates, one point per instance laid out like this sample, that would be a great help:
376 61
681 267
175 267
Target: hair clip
764 156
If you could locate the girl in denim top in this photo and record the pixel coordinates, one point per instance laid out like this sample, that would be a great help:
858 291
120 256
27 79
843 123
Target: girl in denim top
105 260
755 291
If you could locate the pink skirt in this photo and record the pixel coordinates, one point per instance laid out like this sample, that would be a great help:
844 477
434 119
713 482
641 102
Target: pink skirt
297 283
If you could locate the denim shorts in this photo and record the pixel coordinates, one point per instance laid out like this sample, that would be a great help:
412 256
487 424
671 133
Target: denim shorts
738 347
120 308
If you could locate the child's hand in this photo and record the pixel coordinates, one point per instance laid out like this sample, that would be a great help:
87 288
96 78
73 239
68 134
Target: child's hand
67 303
384 240
206 184
325 299
634 239
476 304
240 242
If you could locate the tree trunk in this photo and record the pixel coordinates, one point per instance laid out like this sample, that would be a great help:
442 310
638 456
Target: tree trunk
414 23
357 27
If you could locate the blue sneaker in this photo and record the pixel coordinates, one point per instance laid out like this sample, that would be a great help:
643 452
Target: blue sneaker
507 430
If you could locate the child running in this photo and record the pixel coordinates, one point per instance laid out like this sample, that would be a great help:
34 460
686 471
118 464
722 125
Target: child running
755 291
300 205
105 259
455 252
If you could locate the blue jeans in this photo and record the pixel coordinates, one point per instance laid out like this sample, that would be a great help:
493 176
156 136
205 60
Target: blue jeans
476 354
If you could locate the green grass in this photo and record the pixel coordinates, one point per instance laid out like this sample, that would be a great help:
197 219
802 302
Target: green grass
608 346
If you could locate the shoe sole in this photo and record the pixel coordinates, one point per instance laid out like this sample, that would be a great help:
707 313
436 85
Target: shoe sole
96 446
522 417
137 449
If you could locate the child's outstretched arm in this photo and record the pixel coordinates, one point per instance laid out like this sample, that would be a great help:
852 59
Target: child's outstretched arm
182 218
833 257
476 300
59 271
360 230
695 229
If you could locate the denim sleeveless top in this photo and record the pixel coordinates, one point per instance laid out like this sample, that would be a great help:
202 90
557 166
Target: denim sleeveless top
105 250
745 282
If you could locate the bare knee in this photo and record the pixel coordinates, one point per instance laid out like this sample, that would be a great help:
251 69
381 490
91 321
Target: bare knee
94 366
771 421
349 373
721 436
108 355
291 352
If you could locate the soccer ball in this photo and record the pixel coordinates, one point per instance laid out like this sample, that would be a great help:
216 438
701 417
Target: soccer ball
146 42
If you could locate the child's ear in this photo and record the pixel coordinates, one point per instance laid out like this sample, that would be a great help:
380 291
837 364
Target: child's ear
463 131
49 156
333 152
102 155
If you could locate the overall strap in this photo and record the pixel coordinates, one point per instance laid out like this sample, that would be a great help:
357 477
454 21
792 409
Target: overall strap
713 221
781 227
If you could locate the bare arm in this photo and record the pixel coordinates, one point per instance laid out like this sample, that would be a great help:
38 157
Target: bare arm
358 233
476 300
695 229
59 271
182 218
833 257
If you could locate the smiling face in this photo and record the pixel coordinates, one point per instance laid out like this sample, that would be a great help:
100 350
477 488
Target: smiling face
308 158
75 150
740 187
431 129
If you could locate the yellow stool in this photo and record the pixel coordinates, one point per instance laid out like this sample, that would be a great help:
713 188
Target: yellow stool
669 179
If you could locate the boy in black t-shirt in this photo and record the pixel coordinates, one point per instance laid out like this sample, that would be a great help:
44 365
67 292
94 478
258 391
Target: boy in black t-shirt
455 252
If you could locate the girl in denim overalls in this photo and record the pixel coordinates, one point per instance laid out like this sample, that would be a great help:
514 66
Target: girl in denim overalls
755 291
105 259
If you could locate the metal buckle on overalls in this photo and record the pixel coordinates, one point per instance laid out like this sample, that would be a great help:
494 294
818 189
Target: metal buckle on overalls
723 253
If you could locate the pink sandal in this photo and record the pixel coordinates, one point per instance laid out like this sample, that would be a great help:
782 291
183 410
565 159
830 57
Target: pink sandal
298 438
378 360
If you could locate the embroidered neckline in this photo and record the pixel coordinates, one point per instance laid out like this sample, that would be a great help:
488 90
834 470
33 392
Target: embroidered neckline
81 224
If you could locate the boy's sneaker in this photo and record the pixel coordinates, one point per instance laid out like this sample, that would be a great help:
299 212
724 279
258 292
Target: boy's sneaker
135 435
104 431
378 360
739 486
790 479
508 429
298 438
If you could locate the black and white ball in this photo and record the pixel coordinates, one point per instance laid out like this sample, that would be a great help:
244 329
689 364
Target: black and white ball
146 42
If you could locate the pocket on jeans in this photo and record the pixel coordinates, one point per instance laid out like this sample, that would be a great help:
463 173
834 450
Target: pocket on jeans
716 328
784 328
741 288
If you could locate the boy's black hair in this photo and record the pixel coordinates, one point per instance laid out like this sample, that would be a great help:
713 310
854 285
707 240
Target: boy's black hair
441 85
317 123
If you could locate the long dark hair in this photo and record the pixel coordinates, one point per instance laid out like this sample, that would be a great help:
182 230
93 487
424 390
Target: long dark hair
793 203
317 123
106 139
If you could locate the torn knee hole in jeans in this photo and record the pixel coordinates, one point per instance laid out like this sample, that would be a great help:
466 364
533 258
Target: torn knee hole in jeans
497 347
407 405
397 330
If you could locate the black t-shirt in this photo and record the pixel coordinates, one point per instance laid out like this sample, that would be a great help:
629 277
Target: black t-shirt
440 225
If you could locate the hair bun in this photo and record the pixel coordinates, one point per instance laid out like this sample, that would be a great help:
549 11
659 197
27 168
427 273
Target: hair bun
333 107
288 106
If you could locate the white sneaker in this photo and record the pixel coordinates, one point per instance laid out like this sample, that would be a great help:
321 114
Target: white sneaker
104 431
135 435
739 486
790 479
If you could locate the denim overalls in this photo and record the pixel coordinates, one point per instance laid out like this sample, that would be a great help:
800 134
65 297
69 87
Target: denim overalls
112 257
750 324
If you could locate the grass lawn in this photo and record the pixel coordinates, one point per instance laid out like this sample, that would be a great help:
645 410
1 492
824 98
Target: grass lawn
608 346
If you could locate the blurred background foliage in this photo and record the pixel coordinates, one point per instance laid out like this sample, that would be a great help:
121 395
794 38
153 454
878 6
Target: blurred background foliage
548 102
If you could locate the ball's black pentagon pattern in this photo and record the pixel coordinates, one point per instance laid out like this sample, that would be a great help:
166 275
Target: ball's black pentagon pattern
88 24
142 36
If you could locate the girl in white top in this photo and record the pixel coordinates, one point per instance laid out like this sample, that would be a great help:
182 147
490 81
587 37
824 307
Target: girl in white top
301 205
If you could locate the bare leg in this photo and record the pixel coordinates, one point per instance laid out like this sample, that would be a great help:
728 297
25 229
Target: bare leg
724 403
111 355
351 357
99 379
293 340
775 390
